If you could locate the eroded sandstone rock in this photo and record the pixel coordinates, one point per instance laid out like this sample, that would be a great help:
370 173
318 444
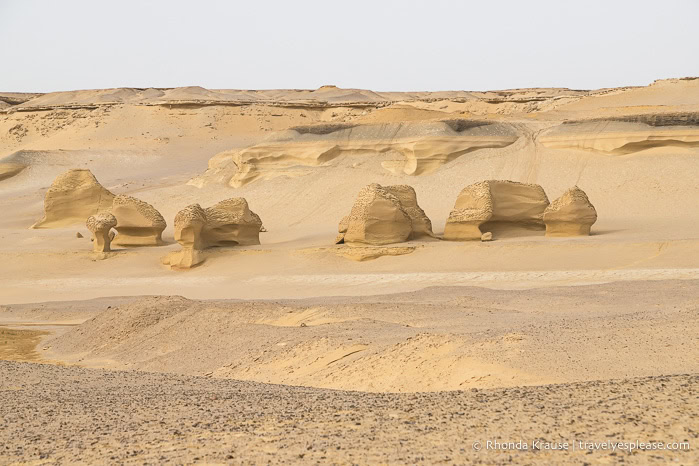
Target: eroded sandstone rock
100 226
189 223
384 215
420 223
572 214
230 223
495 205
73 197
138 223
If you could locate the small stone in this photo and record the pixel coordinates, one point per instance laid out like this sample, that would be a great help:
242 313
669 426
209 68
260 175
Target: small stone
79 235
487 236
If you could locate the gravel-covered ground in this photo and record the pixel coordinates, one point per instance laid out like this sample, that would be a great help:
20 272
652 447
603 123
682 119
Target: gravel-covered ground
58 414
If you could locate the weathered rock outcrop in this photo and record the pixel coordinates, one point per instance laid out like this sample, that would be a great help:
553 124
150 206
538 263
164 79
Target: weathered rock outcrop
100 226
572 214
74 196
495 204
189 223
230 223
138 223
412 148
384 215
421 225
622 137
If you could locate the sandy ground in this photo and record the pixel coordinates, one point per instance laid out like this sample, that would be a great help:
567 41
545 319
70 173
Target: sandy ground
56 414
442 338
506 317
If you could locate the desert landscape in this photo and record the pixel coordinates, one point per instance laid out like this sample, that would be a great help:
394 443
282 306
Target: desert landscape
348 276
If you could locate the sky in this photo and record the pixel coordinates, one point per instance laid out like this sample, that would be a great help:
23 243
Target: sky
48 45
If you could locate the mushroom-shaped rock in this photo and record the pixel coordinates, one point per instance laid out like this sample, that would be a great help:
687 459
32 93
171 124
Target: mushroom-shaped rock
74 196
491 204
189 223
230 223
100 226
377 217
138 223
572 214
420 223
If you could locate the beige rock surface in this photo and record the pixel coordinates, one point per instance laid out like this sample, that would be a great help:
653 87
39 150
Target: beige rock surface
572 214
420 223
138 223
100 225
421 148
228 223
625 136
231 222
74 196
498 207
189 223
377 218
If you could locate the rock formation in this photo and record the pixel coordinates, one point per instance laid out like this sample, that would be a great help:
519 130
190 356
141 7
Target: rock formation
138 223
379 216
189 223
572 214
100 226
413 148
230 223
618 137
420 223
495 204
74 196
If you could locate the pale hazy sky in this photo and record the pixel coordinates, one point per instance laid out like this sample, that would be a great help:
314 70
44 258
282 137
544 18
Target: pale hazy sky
382 45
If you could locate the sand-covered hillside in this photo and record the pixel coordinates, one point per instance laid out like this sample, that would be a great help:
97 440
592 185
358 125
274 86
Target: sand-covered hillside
518 248
299 158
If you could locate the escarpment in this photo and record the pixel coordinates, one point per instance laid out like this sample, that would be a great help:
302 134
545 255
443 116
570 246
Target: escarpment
623 137
410 148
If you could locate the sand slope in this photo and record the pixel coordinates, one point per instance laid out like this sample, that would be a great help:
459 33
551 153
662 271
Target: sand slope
437 339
